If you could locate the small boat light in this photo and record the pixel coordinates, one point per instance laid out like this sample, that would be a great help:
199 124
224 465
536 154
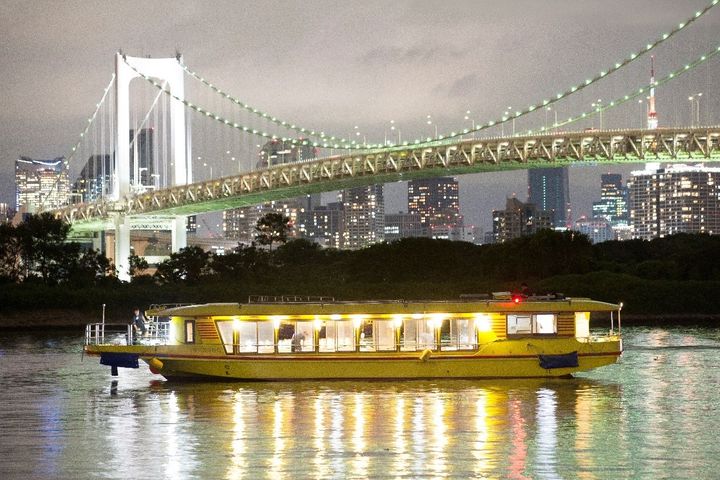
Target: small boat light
236 324
335 317
276 319
436 319
357 320
416 316
318 323
482 322
397 321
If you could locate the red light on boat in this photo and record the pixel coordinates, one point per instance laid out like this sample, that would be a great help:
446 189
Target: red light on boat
516 298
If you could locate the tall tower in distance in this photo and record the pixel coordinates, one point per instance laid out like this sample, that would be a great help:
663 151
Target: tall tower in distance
652 121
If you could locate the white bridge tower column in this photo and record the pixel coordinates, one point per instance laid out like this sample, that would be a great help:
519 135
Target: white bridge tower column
168 70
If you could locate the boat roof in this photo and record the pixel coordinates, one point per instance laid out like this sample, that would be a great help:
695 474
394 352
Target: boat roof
397 307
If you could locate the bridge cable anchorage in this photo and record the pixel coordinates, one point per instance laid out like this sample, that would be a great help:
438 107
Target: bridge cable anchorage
640 91
493 123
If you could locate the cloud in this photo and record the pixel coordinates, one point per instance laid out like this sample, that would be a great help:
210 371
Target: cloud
462 87
414 54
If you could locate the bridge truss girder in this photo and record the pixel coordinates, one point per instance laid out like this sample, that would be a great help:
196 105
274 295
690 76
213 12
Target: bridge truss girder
404 163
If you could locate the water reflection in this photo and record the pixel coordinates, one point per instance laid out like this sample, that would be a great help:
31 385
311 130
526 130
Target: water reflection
625 421
514 429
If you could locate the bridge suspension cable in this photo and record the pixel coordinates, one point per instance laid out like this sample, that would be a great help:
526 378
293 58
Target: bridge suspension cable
638 92
342 143
74 149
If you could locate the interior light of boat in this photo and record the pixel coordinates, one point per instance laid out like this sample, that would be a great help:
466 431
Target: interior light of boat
276 319
335 317
482 322
357 320
318 323
436 319
236 324
417 316
397 321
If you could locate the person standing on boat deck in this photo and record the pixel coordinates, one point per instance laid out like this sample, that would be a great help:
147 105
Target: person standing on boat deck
138 322
296 341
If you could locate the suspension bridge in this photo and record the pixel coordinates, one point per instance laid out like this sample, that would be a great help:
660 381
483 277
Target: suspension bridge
134 164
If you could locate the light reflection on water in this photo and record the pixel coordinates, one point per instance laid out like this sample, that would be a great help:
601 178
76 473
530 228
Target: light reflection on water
654 415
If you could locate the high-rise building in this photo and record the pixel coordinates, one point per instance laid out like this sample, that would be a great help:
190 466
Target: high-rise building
6 213
613 200
326 225
598 229
519 219
549 191
240 223
403 225
41 183
95 179
437 202
674 199
364 216
143 148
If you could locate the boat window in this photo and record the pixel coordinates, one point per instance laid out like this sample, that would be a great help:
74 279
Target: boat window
426 334
266 337
539 323
384 335
519 324
328 337
189 331
366 337
337 336
345 336
545 323
296 337
409 335
247 336
225 328
460 335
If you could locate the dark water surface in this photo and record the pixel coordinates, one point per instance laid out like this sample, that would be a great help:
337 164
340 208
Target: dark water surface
654 415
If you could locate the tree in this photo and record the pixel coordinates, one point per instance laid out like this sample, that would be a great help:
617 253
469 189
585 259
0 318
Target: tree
10 253
189 265
42 240
272 227
138 265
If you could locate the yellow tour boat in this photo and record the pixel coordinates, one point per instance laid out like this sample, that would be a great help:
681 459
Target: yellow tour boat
270 339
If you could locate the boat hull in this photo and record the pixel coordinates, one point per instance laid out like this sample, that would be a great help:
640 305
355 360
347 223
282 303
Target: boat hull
506 359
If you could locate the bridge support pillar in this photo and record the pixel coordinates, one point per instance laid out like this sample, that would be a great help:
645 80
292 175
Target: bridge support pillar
178 233
122 248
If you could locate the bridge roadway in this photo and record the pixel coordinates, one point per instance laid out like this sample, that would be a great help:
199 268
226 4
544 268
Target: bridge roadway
449 157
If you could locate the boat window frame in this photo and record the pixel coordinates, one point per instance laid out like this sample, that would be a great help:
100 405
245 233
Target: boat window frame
455 344
533 325
191 339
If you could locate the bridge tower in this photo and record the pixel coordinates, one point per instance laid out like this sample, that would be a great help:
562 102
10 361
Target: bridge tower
168 70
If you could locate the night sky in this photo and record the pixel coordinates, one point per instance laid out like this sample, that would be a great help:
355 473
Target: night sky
333 65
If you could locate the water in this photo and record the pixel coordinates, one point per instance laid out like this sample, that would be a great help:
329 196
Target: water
654 415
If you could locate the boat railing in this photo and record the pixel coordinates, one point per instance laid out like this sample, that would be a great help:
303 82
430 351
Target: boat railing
157 333
108 333
289 299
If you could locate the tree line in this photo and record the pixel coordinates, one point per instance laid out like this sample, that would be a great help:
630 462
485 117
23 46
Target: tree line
676 274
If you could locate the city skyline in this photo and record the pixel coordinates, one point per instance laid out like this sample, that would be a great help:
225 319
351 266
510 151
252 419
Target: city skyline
53 97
